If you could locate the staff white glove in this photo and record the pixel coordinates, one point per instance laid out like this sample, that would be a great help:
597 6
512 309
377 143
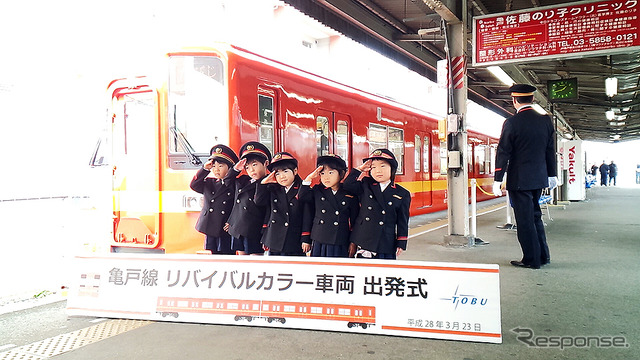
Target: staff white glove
553 182
497 191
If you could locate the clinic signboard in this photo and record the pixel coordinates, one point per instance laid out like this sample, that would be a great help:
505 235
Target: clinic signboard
553 32
452 301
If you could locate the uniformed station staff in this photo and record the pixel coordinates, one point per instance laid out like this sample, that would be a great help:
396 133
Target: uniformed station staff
526 153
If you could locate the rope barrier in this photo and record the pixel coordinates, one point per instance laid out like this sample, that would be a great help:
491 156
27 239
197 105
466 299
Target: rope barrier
481 189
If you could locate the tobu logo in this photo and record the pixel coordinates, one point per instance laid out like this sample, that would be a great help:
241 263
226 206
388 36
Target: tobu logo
458 299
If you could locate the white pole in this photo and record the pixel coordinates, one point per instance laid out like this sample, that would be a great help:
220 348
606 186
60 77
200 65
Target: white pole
473 209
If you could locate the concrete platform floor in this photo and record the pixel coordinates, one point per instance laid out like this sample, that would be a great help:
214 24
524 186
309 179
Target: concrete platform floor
588 299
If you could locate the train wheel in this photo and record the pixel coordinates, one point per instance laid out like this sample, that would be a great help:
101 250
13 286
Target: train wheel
175 315
364 326
350 325
283 320
237 318
164 314
269 320
249 318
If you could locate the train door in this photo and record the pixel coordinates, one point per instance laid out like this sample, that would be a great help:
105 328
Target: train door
135 163
422 167
333 135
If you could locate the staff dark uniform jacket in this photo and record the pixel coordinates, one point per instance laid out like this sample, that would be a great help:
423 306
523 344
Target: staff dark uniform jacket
526 151
218 194
333 215
382 224
247 218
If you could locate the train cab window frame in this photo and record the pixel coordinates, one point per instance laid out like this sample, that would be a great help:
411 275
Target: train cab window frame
266 121
197 101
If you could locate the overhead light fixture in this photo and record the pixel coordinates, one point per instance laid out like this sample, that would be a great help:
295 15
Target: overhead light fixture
610 114
615 137
619 123
539 109
568 136
611 86
501 75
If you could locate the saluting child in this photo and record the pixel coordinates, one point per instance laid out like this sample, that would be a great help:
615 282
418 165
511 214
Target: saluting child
218 198
382 226
332 208
278 192
246 219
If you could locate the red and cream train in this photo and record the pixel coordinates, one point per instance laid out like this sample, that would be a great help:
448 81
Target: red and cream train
160 135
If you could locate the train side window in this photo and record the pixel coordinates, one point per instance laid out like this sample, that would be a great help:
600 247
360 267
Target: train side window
470 166
443 158
396 145
492 159
265 112
481 150
417 147
322 135
425 156
377 136
342 140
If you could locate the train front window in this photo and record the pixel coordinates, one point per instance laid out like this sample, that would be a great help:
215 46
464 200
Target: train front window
197 103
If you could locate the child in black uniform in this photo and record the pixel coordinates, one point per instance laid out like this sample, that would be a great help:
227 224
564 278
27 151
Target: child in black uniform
278 192
218 198
246 219
333 209
382 226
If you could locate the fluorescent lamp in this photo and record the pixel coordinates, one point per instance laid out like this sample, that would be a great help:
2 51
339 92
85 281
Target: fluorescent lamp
501 75
610 114
611 86
539 109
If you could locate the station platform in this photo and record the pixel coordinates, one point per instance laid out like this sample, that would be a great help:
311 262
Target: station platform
583 305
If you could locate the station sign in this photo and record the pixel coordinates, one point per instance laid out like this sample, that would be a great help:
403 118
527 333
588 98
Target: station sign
561 31
452 301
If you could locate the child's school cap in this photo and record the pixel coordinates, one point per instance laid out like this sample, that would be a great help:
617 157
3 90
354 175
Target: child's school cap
223 153
332 160
254 147
282 158
384 154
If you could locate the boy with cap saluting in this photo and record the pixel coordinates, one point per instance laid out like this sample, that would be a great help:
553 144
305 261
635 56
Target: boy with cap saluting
333 209
382 227
278 192
246 219
218 198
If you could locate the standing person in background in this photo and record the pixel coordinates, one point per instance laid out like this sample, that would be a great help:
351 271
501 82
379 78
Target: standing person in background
613 171
638 174
604 173
218 199
526 152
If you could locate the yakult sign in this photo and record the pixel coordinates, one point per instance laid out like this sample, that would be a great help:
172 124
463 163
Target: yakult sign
574 164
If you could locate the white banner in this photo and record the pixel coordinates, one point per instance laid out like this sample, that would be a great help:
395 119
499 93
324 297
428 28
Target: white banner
574 164
403 298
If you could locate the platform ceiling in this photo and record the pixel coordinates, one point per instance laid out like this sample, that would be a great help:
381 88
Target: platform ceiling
391 28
